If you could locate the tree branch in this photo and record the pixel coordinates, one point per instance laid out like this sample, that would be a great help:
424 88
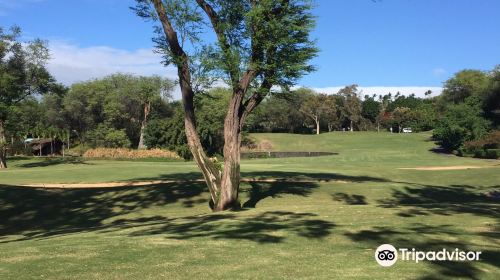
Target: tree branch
222 39
170 33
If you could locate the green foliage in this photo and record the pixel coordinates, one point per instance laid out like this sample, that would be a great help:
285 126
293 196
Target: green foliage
487 147
22 74
425 118
351 109
273 35
105 136
462 122
116 139
22 69
211 111
370 109
402 116
464 84
118 102
169 133
279 113
412 102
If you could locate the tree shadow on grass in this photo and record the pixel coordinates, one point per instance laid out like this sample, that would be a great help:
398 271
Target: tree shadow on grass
34 213
424 237
321 176
37 212
261 190
54 161
416 200
44 213
280 176
267 227
442 200
350 199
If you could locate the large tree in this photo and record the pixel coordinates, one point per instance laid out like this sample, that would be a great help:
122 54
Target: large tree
352 105
259 45
401 117
150 89
464 84
317 107
116 102
22 73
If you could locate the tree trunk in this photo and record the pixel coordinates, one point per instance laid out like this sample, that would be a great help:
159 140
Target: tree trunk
147 108
351 128
317 125
232 141
210 172
3 146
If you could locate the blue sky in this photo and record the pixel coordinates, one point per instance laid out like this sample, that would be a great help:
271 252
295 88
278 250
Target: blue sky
407 45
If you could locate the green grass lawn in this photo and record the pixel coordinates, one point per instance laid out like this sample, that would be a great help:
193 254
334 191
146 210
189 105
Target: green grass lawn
316 230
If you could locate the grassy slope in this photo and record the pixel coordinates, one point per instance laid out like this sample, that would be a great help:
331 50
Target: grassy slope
288 230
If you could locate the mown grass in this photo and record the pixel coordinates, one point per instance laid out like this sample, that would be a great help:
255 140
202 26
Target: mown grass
314 230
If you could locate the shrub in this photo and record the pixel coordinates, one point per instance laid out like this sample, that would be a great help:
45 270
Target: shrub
129 154
461 123
105 136
487 147
492 153
116 139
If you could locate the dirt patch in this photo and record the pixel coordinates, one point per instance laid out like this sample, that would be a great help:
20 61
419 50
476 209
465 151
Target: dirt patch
105 185
455 167
156 182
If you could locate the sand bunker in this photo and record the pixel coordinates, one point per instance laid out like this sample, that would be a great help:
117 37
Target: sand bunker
455 167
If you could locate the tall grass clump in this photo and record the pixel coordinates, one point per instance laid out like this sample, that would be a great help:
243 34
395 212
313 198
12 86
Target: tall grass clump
129 153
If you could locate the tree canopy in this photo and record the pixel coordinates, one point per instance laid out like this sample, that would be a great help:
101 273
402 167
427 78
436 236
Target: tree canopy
22 74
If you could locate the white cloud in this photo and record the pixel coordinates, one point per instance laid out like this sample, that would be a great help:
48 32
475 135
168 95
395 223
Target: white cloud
70 63
405 90
438 72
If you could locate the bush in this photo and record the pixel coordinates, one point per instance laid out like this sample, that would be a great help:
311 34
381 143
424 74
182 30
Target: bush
117 139
461 123
492 153
450 137
168 134
128 153
486 147
108 137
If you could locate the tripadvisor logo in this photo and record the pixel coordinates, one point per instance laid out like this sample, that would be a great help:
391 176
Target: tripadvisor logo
387 255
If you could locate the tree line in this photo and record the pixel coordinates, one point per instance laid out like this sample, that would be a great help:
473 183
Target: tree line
122 110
